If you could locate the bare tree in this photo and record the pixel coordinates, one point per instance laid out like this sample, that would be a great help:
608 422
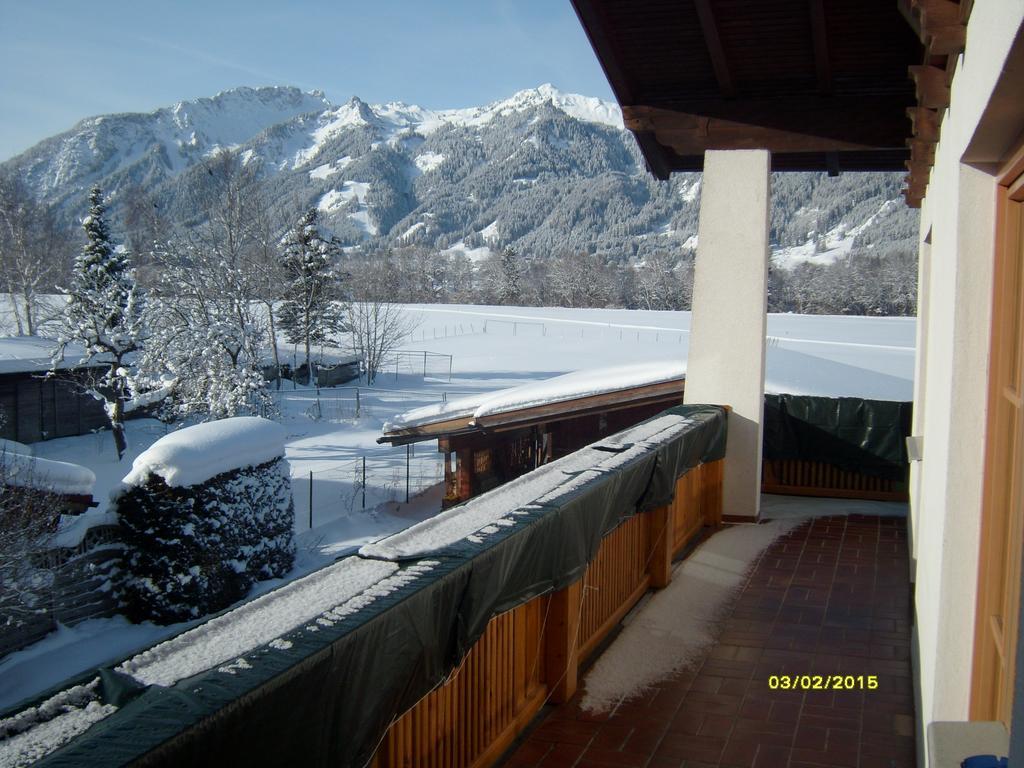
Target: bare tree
205 339
205 314
28 517
229 193
33 251
266 271
580 280
146 228
376 326
661 283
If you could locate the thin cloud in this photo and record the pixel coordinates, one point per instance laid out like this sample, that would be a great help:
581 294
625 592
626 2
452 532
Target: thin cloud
220 61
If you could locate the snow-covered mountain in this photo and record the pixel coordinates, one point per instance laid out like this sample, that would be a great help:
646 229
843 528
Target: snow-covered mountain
542 171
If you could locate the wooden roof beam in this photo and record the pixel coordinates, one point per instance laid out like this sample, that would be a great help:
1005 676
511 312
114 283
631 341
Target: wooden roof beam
690 134
925 123
923 151
966 6
821 59
839 127
912 200
932 88
943 31
907 11
715 49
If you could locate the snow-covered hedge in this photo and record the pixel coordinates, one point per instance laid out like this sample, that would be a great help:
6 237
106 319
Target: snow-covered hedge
55 477
206 512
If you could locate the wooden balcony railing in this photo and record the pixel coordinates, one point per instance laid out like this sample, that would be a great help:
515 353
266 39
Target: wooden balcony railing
532 654
817 478
473 718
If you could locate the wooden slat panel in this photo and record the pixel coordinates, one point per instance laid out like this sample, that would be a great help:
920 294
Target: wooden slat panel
813 478
697 503
474 716
615 580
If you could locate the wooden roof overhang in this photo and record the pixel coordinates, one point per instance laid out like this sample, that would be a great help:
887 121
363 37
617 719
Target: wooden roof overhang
667 392
825 85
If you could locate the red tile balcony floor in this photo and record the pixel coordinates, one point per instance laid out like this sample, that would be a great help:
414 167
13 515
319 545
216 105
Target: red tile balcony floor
831 597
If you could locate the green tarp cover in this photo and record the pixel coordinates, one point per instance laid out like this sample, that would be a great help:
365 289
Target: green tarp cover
854 434
329 698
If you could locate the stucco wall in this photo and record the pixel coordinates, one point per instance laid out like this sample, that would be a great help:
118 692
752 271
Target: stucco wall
953 359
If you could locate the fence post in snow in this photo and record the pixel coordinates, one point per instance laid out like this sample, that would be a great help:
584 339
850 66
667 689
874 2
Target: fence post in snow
449 369
408 452
311 500
364 482
424 364
357 402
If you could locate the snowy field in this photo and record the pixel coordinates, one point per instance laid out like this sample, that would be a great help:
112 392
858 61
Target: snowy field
332 432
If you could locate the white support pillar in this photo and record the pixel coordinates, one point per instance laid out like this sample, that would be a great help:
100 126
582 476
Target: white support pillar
730 302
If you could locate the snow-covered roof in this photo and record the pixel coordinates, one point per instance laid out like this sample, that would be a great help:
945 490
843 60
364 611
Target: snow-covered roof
27 471
488 513
570 387
20 354
195 454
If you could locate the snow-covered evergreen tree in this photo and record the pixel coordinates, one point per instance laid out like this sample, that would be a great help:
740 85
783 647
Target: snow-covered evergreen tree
105 314
308 314
512 276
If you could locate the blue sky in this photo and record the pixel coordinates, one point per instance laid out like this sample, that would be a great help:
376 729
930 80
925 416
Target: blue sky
63 60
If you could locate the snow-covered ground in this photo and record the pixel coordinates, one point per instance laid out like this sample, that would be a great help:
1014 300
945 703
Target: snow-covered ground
330 433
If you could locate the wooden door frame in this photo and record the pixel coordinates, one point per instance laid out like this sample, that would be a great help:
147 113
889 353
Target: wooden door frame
984 702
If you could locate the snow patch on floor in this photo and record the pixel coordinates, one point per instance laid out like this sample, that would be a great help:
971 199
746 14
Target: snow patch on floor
678 624
778 507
